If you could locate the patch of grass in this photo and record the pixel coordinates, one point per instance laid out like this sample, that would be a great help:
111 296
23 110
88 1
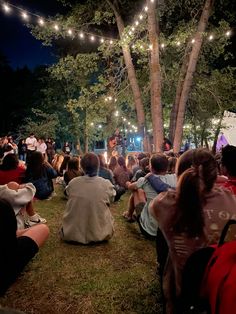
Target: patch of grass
114 277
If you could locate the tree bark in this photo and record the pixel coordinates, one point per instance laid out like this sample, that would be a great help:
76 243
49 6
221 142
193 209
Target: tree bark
175 107
155 78
193 58
132 77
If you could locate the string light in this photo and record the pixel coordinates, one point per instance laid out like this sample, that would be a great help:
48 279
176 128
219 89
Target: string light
178 43
162 45
228 33
25 16
102 40
211 37
92 38
70 32
41 22
81 35
146 9
6 8
56 27
193 41
140 16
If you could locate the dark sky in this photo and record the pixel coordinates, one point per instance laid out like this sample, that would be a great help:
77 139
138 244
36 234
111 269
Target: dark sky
16 41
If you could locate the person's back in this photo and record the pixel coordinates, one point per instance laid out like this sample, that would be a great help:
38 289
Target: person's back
87 216
11 170
229 167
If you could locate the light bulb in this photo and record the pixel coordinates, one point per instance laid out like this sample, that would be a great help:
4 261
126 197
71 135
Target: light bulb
6 8
41 21
81 35
56 27
25 16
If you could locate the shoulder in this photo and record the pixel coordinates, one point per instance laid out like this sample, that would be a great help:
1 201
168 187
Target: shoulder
163 201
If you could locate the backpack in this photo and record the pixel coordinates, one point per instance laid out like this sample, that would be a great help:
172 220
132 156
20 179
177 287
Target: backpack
209 278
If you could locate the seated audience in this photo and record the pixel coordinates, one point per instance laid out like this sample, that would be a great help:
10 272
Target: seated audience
171 165
228 163
131 163
11 169
20 198
17 247
87 217
121 174
143 194
63 166
192 216
112 163
143 171
103 171
40 173
73 170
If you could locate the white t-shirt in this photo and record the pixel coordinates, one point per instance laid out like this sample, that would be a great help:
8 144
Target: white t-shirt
31 143
41 148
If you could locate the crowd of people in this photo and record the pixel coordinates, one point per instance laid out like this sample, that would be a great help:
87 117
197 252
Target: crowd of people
181 202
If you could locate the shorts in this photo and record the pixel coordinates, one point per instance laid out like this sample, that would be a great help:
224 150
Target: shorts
25 251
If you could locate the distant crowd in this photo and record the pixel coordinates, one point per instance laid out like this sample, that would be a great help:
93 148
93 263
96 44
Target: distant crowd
181 202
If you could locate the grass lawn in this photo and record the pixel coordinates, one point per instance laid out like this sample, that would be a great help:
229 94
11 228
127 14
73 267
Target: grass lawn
115 277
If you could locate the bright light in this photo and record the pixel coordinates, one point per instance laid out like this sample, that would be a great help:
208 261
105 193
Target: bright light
92 38
141 46
100 126
128 123
150 47
56 27
124 119
81 35
152 0
70 32
133 29
92 124
117 113
193 41
162 45
137 23
228 33
138 139
41 21
133 46
178 43
115 100
140 17
211 37
6 8
102 40
146 9
110 98
105 156
111 42
130 33
106 99
25 16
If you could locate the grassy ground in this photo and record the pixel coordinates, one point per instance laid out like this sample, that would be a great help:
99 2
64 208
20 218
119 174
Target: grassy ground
116 277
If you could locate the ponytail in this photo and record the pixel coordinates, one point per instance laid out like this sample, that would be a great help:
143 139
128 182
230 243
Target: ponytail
189 202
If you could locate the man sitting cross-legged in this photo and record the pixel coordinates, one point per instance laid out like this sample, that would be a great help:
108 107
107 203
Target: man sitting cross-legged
143 193
87 217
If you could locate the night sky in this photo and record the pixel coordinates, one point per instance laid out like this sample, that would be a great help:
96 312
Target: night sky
16 41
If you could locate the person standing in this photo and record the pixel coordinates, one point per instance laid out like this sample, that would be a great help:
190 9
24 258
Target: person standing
31 143
42 147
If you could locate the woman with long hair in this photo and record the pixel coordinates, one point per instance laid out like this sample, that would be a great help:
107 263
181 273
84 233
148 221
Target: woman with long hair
112 163
11 169
73 170
192 216
40 173
121 173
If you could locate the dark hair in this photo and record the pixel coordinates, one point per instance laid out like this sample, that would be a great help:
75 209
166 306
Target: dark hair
64 164
121 162
159 163
144 164
90 164
35 165
197 173
228 159
73 164
112 163
171 164
9 162
102 161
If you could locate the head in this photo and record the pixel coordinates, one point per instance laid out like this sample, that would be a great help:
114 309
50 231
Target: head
121 161
10 162
31 135
158 163
73 164
144 164
35 164
171 164
90 164
197 173
141 156
102 161
131 161
228 161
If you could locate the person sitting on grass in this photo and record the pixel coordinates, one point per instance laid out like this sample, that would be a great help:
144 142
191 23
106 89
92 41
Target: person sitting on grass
143 194
73 170
192 216
40 173
17 247
20 197
87 217
11 169
228 163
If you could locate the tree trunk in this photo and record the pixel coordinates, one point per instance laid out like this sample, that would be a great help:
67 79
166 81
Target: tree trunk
175 107
86 144
155 78
217 134
132 77
193 58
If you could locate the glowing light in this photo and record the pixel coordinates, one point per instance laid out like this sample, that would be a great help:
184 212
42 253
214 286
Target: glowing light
228 33
92 38
133 29
138 139
81 35
6 8
137 23
128 123
25 16
102 40
56 27
140 16
211 37
92 124
106 99
110 98
141 46
152 1
100 126
117 113
133 46
70 32
146 9
124 119
130 33
115 100
162 45
111 42
150 47
193 41
178 43
41 22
